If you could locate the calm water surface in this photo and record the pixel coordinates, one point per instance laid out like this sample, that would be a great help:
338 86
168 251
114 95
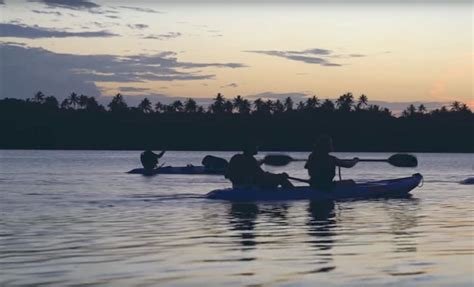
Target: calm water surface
70 218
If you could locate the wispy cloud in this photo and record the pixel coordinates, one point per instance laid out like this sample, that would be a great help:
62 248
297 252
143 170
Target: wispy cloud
165 36
47 12
141 9
137 26
305 56
231 85
26 70
34 32
69 4
133 89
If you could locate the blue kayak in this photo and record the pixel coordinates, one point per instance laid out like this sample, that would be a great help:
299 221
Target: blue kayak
384 188
177 170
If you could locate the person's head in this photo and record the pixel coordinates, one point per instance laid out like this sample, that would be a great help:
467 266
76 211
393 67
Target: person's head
250 149
323 145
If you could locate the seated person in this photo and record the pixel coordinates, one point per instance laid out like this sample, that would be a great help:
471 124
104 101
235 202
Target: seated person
213 163
149 159
321 165
244 170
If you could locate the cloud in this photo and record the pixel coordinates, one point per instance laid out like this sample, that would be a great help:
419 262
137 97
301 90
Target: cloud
141 9
34 32
231 85
47 12
165 36
305 56
24 70
2 2
69 4
132 89
137 26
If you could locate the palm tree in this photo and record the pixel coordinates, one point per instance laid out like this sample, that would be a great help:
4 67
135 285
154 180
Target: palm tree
242 105
38 97
278 107
73 100
421 109
177 106
190 106
362 102
228 107
327 105
301 106
117 104
258 105
288 104
312 103
82 101
409 111
145 106
456 106
218 106
345 102
159 107
93 105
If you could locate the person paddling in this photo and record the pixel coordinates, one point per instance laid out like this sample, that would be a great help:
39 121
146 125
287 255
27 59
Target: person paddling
321 165
244 170
149 159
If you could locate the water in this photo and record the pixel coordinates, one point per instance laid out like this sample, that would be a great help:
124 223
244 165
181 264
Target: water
71 218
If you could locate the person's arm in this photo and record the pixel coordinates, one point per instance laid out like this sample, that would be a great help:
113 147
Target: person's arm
346 162
160 154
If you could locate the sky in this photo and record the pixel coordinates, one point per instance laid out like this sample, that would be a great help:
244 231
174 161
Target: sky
393 52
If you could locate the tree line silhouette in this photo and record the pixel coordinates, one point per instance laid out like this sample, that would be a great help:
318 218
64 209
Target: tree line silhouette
80 122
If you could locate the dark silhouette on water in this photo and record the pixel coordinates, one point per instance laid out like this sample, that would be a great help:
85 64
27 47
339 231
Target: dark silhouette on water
214 163
321 165
149 159
80 122
244 170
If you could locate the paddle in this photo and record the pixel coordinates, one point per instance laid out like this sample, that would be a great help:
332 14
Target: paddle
398 160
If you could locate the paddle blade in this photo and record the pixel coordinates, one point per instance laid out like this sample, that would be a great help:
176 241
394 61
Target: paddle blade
403 160
277 159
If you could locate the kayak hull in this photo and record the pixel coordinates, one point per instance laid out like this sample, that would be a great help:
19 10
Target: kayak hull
177 170
376 189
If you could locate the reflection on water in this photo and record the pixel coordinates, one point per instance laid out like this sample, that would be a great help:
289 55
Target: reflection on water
74 219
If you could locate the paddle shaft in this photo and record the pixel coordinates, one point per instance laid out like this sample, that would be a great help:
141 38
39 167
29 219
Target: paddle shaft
298 179
360 159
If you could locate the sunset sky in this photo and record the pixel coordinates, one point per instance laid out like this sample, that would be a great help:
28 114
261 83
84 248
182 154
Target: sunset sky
389 51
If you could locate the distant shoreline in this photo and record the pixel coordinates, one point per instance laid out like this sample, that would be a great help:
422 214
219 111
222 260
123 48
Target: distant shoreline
80 123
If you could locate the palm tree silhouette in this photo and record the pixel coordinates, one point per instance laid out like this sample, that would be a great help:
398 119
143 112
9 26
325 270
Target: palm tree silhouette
145 106
288 104
421 109
312 103
118 104
82 101
39 97
218 106
190 106
362 102
73 100
159 107
228 107
327 105
345 102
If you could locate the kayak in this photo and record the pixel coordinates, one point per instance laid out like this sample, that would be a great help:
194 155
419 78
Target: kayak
383 188
177 170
